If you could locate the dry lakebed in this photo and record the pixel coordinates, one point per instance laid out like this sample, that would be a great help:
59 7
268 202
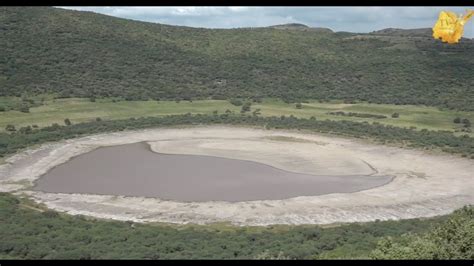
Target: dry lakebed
244 176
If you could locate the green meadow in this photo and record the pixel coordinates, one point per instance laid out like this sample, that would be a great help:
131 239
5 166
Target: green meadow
83 110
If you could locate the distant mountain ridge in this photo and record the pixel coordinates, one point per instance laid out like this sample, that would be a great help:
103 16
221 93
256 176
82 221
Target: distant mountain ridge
289 26
424 32
85 54
421 32
298 26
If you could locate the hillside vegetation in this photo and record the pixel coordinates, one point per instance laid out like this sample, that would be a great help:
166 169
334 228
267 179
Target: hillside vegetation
452 240
29 231
83 54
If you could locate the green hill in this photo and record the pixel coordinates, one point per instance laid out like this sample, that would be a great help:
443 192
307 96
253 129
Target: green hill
83 54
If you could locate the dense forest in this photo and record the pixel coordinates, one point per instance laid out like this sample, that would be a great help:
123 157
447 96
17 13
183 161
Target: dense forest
446 141
452 240
28 231
83 54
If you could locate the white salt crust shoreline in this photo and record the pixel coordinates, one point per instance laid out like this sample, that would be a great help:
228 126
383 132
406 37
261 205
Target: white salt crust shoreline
424 184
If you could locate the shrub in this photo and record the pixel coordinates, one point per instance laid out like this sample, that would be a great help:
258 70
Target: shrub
25 109
245 107
236 102
25 130
256 112
10 128
466 122
257 99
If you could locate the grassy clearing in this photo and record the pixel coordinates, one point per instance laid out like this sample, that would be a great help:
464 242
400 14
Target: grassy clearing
83 110
421 117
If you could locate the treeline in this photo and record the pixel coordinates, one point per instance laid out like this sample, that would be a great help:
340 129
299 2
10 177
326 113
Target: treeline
362 115
82 54
443 140
453 239
27 233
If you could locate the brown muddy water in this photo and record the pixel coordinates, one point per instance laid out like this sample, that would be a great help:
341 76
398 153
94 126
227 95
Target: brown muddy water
135 170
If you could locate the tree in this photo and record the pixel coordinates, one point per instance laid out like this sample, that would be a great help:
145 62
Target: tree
24 97
395 115
98 119
466 122
298 106
25 108
10 128
25 130
67 122
2 109
256 112
457 120
245 107
236 102
92 99
257 99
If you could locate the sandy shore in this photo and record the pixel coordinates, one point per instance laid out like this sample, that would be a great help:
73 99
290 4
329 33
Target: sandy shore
424 185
